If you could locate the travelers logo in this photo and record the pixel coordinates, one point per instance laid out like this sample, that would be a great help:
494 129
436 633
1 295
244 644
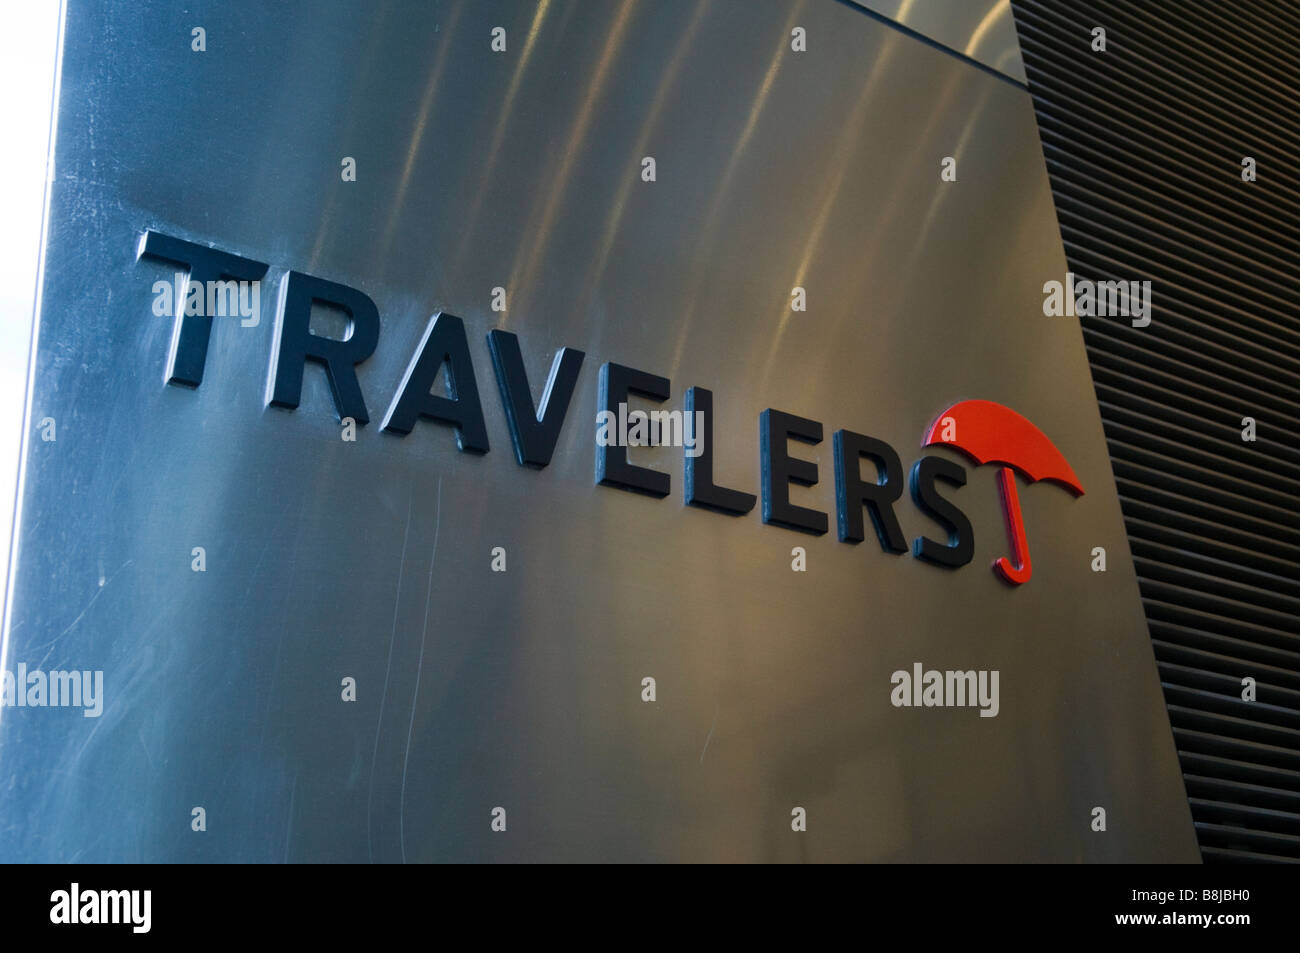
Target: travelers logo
985 431
991 433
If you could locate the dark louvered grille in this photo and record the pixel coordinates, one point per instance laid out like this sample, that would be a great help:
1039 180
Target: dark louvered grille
1144 144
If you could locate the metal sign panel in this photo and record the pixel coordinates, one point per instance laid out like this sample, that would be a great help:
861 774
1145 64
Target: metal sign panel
390 648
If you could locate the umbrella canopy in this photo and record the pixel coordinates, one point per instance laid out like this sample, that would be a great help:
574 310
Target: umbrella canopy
991 433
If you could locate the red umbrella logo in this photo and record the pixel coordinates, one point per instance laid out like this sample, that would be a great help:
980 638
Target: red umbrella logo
990 433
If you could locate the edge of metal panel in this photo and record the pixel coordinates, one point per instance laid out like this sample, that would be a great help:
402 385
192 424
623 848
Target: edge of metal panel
988 40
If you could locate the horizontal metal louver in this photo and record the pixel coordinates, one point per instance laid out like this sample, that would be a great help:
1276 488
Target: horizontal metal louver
1144 144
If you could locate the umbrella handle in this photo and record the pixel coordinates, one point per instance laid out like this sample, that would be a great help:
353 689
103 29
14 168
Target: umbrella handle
1017 569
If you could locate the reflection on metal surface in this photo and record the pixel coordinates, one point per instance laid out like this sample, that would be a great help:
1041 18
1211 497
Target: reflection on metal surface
28 60
983 30
376 559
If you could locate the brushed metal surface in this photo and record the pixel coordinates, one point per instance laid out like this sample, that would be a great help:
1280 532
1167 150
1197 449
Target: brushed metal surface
328 559
984 30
